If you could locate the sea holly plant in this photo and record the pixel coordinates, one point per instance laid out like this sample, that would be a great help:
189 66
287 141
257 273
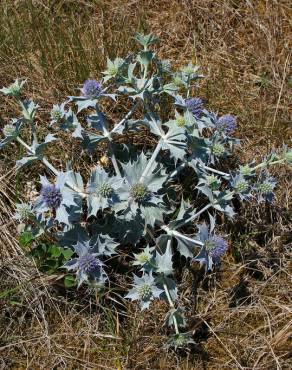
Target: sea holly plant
154 202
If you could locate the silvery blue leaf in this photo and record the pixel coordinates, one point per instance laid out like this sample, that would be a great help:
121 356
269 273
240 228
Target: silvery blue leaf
164 262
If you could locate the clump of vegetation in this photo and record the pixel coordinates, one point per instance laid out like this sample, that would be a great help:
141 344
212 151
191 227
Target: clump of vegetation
134 204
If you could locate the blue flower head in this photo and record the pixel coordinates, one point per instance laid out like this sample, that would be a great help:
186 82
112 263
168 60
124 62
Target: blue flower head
51 196
55 197
91 88
213 248
87 265
226 123
195 105
216 246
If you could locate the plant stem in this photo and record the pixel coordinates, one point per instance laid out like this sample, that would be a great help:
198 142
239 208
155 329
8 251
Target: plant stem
31 121
171 304
178 170
128 115
216 171
186 164
114 160
180 235
52 168
266 164
151 161
193 217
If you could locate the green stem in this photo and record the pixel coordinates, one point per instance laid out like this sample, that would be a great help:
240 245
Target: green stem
150 162
180 235
128 115
171 304
216 171
186 164
114 160
31 121
266 164
193 217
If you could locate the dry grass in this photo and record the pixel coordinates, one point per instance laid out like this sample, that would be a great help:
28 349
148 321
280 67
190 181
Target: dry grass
240 315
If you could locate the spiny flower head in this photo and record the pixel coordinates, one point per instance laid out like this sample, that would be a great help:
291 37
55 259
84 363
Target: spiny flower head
180 340
218 149
180 121
178 81
87 263
144 289
265 187
91 88
195 105
9 130
139 192
24 211
211 179
57 113
144 257
145 292
240 185
105 190
226 123
245 170
216 246
51 196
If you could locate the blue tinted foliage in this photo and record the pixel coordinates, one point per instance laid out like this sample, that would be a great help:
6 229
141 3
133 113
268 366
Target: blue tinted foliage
140 200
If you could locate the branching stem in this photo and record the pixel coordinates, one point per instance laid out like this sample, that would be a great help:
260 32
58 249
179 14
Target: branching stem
51 168
151 161
171 304
180 235
114 160
127 116
193 217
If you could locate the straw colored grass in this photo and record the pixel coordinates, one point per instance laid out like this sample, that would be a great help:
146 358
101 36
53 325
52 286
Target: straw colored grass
241 315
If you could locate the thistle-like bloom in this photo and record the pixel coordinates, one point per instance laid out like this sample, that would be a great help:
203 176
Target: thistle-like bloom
180 120
216 247
144 289
246 170
226 123
51 195
265 188
180 340
55 197
91 88
218 149
195 105
213 248
102 191
241 187
139 192
87 266
139 195
57 113
144 258
23 212
9 130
